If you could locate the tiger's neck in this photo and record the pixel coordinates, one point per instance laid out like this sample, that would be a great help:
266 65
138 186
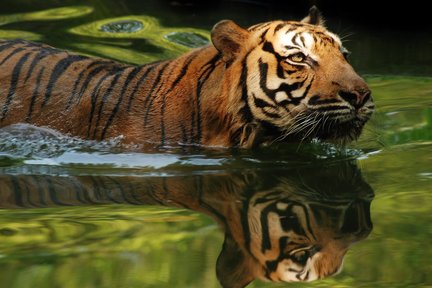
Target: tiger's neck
194 99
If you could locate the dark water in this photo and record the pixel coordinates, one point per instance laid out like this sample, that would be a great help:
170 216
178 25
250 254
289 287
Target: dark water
79 213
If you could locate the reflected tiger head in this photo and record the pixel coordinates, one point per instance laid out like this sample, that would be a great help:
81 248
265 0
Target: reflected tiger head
299 230
295 80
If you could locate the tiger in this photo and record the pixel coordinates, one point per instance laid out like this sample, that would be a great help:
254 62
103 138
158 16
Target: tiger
294 225
277 81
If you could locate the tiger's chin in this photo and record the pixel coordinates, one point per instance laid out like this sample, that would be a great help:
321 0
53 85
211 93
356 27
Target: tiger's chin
341 132
338 131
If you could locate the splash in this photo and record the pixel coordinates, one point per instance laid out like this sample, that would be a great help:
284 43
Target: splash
28 149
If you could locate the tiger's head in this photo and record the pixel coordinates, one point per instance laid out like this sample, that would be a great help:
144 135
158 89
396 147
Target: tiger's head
294 81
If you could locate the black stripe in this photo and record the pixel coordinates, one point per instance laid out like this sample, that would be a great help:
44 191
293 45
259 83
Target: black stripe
283 87
302 41
27 193
30 181
138 84
268 47
316 100
308 87
272 265
91 75
14 82
78 80
244 218
162 124
245 110
308 215
268 114
85 191
132 192
192 129
263 68
8 45
15 51
260 26
183 70
201 81
126 83
78 189
184 135
102 190
109 192
57 72
40 190
39 57
34 94
262 36
265 233
259 103
328 108
94 94
149 100
16 190
53 193
295 38
198 181
121 187
105 99
35 60
279 26
176 81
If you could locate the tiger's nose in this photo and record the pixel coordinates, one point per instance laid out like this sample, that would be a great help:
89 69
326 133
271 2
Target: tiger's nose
357 98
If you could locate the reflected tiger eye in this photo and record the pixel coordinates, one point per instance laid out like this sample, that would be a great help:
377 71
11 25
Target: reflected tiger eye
301 257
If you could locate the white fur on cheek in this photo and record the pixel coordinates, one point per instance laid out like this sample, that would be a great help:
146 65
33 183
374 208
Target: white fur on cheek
286 271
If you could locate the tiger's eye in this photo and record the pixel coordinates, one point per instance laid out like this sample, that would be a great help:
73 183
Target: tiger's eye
297 57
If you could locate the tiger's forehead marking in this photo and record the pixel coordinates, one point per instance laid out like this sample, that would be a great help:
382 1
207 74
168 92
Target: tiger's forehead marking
303 36
293 38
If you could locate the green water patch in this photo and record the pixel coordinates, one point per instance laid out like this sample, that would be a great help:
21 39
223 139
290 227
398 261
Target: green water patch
403 111
60 13
168 42
187 39
124 26
106 246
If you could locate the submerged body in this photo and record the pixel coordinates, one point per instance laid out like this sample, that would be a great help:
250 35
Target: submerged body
275 81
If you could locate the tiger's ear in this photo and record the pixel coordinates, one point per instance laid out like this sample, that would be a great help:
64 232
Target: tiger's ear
228 38
314 17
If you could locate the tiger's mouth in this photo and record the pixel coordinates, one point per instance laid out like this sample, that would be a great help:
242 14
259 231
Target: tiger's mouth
343 123
340 128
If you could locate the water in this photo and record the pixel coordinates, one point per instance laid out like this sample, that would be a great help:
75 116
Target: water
77 213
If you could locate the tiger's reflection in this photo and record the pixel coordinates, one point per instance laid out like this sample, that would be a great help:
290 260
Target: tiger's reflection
292 225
